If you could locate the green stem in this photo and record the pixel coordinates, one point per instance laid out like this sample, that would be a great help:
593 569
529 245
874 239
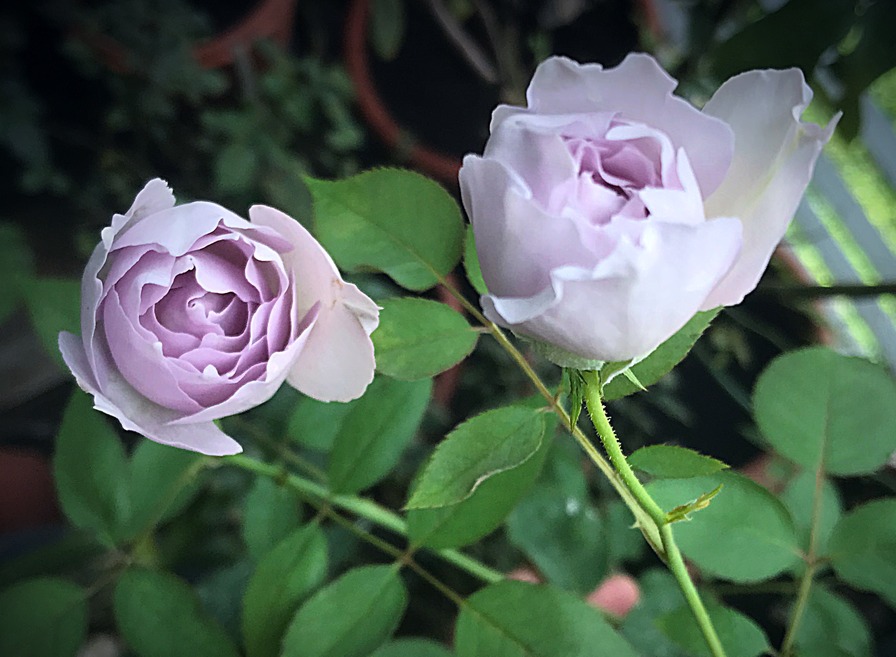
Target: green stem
799 609
542 389
645 522
673 556
401 558
686 584
605 432
812 563
361 507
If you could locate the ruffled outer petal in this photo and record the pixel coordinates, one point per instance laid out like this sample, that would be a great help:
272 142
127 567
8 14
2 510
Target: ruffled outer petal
136 413
631 301
639 90
774 155
154 197
337 362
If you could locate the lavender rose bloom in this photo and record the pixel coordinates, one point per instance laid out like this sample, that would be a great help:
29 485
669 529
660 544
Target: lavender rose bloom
191 313
609 211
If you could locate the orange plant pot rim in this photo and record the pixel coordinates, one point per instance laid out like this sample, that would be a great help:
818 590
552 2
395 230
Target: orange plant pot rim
374 110
268 19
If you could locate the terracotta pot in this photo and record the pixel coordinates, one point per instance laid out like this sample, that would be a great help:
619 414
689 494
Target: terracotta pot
438 165
268 19
375 112
27 494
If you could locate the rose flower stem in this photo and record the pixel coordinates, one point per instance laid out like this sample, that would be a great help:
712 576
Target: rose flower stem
361 507
646 524
673 556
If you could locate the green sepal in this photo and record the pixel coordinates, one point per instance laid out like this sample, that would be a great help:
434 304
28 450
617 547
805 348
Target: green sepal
576 381
682 512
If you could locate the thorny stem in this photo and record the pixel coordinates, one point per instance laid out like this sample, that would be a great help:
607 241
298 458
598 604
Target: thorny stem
685 583
367 509
614 450
670 548
646 524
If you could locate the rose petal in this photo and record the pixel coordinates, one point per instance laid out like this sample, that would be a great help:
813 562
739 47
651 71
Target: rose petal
676 205
317 278
774 157
142 363
517 242
72 349
154 197
277 368
217 274
176 229
639 90
136 413
538 153
337 363
653 146
653 286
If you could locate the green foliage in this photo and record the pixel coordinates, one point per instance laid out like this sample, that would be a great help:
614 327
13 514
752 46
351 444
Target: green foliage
418 338
390 220
95 497
862 548
740 635
375 431
159 616
659 596
315 424
54 304
673 462
770 43
16 267
827 411
624 540
163 481
284 578
61 557
660 361
481 513
563 536
350 617
869 59
115 497
745 534
471 262
412 648
271 513
515 619
569 535
44 617
831 627
387 26
482 447
297 121
799 497
221 594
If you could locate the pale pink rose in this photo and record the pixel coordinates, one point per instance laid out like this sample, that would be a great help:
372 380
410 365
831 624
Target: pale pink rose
190 313
609 211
